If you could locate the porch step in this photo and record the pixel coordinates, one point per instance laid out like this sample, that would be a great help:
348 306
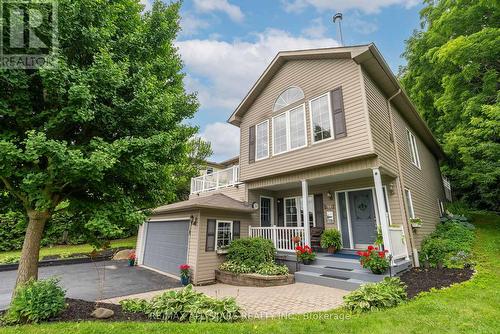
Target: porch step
359 274
337 262
327 280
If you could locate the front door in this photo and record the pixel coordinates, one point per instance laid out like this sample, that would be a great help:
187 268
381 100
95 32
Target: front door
265 211
363 218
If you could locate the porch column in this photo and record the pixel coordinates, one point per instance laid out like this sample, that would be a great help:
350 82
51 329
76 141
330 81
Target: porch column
305 202
384 223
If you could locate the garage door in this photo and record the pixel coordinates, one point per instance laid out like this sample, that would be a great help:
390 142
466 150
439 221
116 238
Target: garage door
166 245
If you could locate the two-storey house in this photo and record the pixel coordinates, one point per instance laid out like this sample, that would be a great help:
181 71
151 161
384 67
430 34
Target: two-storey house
329 140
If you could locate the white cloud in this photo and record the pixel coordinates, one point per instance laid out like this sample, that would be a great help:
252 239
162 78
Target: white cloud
191 24
147 4
366 6
222 72
225 140
360 25
234 12
317 29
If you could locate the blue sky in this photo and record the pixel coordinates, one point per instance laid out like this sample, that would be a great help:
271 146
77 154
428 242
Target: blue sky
226 44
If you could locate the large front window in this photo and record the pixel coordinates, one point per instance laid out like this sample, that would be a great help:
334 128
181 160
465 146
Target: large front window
289 130
224 233
294 213
321 118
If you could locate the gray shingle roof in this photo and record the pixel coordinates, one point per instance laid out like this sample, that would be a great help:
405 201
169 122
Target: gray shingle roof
214 201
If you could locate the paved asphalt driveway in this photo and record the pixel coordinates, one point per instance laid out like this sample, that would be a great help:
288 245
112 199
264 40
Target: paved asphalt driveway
81 280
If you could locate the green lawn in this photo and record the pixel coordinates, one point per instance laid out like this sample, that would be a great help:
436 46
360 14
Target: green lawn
71 249
470 307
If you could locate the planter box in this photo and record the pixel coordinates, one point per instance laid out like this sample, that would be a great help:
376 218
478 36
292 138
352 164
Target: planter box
252 279
416 225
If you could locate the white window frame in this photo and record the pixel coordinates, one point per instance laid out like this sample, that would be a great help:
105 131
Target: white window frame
217 231
266 122
441 207
298 206
332 130
271 211
409 203
413 147
288 138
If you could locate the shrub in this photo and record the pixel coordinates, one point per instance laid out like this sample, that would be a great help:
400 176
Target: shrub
251 252
10 259
450 244
271 268
235 268
374 260
331 238
374 296
192 306
36 301
134 305
459 208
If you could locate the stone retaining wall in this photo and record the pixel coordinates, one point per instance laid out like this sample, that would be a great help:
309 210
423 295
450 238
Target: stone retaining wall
252 279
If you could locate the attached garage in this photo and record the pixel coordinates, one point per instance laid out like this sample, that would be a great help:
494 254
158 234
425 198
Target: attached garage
166 245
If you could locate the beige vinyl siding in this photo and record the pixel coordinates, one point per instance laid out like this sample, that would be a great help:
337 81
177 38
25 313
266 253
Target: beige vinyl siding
380 125
314 77
236 192
209 261
425 183
192 257
334 169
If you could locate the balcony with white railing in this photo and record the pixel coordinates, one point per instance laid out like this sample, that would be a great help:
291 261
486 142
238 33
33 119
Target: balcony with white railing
217 180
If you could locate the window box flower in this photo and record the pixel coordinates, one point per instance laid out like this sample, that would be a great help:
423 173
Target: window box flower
416 222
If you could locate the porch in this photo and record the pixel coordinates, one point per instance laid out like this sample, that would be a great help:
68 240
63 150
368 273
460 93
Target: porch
363 205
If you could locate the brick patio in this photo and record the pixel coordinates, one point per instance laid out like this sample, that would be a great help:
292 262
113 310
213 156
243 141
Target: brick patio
277 301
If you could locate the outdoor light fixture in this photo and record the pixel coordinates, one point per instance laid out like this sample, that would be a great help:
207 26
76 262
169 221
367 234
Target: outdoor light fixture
329 194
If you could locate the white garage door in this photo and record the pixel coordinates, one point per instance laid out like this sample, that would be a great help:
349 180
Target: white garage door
166 245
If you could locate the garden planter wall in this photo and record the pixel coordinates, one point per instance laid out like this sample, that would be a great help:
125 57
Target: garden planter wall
252 279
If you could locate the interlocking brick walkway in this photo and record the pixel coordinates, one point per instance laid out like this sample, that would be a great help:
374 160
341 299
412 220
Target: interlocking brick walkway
278 301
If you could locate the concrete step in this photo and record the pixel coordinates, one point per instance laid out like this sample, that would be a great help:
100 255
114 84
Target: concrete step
349 284
337 262
359 274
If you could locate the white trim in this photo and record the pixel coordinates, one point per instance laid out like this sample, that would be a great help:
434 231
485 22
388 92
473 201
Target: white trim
276 99
330 115
256 140
409 200
271 208
288 138
412 143
217 221
169 219
159 271
441 207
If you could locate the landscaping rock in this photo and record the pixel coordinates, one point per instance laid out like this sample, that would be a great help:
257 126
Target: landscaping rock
122 255
102 313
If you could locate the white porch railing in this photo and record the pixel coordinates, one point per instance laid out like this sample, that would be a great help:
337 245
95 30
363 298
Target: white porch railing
280 236
398 244
224 178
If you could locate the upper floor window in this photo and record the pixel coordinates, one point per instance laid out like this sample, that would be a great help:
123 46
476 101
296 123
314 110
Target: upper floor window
321 118
289 130
289 96
262 140
412 142
409 203
210 170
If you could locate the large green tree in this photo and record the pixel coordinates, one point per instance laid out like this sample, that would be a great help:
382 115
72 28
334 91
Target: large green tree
100 133
453 77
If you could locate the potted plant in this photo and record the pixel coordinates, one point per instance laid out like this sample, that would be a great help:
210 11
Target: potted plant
131 258
184 273
331 240
296 239
305 254
374 259
416 222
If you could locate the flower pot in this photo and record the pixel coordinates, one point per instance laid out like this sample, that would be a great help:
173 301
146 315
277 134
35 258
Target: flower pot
378 271
131 263
306 261
184 280
331 249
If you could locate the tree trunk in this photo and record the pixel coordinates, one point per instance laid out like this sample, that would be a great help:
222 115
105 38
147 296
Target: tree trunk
28 263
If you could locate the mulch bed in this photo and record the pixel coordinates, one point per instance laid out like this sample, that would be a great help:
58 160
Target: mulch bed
422 279
78 310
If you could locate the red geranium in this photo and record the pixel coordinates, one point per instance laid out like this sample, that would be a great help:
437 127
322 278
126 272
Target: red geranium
184 270
304 253
131 255
374 260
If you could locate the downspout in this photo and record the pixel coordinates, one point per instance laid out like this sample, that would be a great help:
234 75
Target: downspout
400 180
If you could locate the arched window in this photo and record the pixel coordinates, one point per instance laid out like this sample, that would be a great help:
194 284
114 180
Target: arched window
289 96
